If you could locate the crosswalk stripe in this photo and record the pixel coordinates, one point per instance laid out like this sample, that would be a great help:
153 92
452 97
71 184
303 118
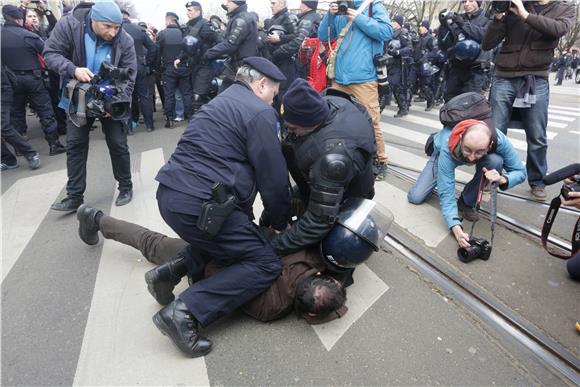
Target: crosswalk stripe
563 112
549 134
121 345
573 109
367 289
561 117
426 222
23 210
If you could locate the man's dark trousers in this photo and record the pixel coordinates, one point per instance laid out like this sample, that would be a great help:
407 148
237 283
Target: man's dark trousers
77 151
9 134
141 94
177 78
251 265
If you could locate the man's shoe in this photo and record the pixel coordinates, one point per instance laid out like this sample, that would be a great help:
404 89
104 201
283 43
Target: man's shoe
151 128
88 225
176 322
381 170
401 113
56 148
162 280
5 167
124 198
469 213
429 106
419 99
169 124
34 161
178 119
67 204
539 193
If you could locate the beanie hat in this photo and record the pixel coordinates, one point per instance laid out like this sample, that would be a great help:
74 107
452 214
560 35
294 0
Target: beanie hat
311 4
239 2
425 23
303 106
106 11
399 19
12 11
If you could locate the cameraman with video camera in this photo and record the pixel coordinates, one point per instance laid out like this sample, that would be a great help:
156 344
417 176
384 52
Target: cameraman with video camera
460 36
79 44
530 32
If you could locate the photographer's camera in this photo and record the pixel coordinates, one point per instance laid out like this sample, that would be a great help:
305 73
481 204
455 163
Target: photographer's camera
479 249
343 7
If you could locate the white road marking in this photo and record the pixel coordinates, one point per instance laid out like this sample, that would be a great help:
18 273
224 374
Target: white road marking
121 345
23 209
365 291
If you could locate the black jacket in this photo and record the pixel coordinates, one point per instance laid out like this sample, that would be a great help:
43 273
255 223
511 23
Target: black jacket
288 46
20 47
240 38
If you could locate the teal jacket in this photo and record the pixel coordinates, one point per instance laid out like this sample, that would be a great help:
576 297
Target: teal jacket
365 39
513 169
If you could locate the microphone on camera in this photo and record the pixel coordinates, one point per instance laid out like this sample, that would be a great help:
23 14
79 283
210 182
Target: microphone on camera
561 174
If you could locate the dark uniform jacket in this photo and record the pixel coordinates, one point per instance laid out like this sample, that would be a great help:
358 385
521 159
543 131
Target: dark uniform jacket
145 49
426 47
234 140
288 46
20 48
529 46
200 28
240 38
471 26
169 45
329 165
64 50
406 46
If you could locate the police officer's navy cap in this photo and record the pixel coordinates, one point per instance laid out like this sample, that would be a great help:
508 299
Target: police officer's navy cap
265 67
106 11
239 2
311 4
192 4
12 11
425 23
172 15
399 19
303 106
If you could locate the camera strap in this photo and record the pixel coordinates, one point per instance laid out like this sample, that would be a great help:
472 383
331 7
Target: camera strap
78 118
549 221
493 207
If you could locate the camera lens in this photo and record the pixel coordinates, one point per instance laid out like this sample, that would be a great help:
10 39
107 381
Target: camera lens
468 254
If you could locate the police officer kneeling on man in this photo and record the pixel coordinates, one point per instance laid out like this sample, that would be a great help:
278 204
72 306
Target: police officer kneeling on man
77 46
229 152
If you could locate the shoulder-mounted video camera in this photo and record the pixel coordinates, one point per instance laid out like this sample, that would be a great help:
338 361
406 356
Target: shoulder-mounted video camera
343 7
101 96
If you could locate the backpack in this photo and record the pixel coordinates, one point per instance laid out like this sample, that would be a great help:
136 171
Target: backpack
465 106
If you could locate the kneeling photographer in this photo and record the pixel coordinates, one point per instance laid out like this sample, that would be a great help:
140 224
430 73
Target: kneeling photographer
78 46
466 139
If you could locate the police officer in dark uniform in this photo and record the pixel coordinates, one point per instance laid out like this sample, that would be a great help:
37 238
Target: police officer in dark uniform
426 48
201 71
456 32
229 152
308 22
169 43
330 151
146 53
20 53
240 40
400 70
282 48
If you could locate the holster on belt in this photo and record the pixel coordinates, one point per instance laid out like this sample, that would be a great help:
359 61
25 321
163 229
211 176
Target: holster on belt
215 211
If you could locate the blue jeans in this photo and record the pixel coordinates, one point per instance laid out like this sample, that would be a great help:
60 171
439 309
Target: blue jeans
427 180
535 120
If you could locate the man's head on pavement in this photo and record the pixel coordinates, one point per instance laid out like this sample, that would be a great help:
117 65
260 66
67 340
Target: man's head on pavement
303 109
318 296
106 19
475 141
262 76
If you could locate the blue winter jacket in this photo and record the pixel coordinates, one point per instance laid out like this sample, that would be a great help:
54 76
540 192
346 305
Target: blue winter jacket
513 169
365 38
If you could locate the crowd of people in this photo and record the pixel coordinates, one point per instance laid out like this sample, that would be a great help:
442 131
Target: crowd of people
299 95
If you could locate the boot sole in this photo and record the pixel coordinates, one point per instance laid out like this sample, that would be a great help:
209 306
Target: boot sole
156 288
164 328
88 241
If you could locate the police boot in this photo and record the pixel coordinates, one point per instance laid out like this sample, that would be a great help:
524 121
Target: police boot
89 218
56 148
401 113
162 280
197 102
430 105
169 123
176 322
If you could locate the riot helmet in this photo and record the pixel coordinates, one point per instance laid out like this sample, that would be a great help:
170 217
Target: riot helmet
190 45
359 230
467 50
394 44
277 29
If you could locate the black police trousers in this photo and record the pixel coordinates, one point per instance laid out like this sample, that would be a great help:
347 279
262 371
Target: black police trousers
141 98
462 80
402 80
251 265
9 134
30 88
173 79
77 152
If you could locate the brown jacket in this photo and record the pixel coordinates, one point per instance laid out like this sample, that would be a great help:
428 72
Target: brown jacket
529 45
